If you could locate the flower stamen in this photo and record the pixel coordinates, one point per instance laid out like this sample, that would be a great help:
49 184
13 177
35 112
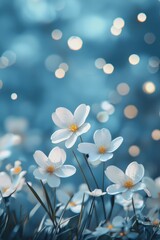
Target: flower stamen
102 150
50 169
72 204
17 170
110 226
128 184
73 127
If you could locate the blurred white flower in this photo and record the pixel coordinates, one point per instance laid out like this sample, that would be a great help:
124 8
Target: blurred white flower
153 186
96 193
74 203
126 183
6 142
127 204
103 147
72 125
51 168
107 110
9 185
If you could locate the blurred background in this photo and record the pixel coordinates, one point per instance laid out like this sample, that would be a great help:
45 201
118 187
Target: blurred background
66 52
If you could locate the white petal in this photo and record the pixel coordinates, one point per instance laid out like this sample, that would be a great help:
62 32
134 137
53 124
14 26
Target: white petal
93 157
57 156
127 195
62 196
157 182
135 171
4 154
151 187
76 209
105 157
53 181
65 171
39 175
5 180
40 158
87 148
118 221
95 163
102 137
83 129
65 116
71 141
60 135
115 144
114 189
115 174
139 186
57 121
81 113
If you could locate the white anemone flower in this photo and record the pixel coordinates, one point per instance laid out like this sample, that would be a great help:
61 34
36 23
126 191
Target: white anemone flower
127 204
96 193
51 168
103 147
153 186
72 125
9 185
126 183
74 203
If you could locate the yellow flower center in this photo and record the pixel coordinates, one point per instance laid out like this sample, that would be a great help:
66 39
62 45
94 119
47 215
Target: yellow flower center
50 169
17 170
156 222
128 184
122 234
73 127
110 226
102 150
72 204
5 189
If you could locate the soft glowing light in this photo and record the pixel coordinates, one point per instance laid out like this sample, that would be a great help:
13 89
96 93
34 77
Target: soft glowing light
100 62
4 62
149 38
141 17
108 68
149 87
75 43
102 116
123 89
118 23
56 34
156 134
60 73
14 96
115 31
154 62
130 111
134 150
64 66
1 84
134 59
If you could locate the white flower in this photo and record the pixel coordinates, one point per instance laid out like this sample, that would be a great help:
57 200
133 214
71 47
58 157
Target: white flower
74 203
96 193
108 109
153 186
6 142
103 147
127 204
10 185
126 183
51 168
72 125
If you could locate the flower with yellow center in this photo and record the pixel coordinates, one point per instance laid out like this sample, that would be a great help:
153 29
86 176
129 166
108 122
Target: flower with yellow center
110 226
17 169
73 127
72 204
50 169
102 150
126 183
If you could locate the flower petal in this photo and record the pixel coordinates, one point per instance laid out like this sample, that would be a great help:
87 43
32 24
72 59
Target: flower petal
60 135
118 221
115 188
39 175
53 181
57 156
127 195
57 121
5 180
115 144
71 140
81 113
93 157
83 129
135 171
76 209
40 158
62 196
87 148
65 171
65 116
115 174
102 137
105 157
139 186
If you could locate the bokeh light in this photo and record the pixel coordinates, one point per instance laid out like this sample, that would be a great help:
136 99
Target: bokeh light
134 150
149 87
123 88
75 43
134 59
156 134
141 17
56 34
130 111
60 73
14 96
108 68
